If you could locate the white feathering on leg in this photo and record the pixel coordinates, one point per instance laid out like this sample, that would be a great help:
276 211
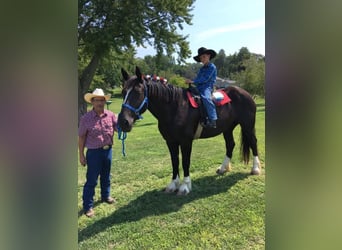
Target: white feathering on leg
173 186
185 188
225 166
187 181
256 169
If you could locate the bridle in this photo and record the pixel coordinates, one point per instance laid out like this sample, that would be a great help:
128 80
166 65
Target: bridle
136 111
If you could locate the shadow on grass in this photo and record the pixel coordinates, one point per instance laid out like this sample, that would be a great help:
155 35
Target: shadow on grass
156 202
145 124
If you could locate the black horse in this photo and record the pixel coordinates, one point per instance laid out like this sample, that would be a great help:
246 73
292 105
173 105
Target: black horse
178 122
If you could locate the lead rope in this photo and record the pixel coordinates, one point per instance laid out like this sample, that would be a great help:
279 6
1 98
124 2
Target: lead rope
122 136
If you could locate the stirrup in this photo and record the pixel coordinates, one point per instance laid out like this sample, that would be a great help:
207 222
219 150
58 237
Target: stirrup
209 124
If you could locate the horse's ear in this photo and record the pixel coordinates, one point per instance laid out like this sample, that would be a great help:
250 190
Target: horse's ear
138 73
124 74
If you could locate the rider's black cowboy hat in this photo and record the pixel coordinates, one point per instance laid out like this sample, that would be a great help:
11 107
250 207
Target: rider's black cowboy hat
202 51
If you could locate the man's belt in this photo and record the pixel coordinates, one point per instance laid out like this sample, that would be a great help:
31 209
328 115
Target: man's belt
106 147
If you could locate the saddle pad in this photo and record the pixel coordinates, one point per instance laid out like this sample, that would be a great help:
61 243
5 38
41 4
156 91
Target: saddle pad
219 97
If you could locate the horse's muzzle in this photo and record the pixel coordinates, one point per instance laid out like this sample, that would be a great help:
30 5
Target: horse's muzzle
125 122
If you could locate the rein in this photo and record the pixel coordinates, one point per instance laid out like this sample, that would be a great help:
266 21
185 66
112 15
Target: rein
123 135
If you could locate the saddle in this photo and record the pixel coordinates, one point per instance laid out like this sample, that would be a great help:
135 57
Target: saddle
219 98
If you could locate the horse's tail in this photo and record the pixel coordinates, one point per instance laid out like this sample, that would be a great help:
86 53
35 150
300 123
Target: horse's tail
246 110
248 136
246 142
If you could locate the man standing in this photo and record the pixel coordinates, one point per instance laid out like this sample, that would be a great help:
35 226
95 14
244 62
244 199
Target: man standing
96 131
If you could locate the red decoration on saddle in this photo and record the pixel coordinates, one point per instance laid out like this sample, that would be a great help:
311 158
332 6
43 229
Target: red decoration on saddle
226 99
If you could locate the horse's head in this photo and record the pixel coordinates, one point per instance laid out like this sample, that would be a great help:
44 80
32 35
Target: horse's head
134 91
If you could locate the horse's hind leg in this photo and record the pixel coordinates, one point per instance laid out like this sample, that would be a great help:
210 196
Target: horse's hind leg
249 140
230 144
256 168
174 152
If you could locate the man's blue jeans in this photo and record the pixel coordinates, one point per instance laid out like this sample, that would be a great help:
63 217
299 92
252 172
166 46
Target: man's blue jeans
99 162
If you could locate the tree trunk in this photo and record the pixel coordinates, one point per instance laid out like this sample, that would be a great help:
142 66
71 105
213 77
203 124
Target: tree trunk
84 82
82 105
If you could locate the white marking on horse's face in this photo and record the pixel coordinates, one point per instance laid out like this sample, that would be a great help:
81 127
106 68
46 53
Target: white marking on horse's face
128 91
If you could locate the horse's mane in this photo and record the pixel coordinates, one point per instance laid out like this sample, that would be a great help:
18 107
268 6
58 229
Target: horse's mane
168 93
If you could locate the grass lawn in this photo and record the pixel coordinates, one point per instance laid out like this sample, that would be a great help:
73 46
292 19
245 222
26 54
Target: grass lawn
221 212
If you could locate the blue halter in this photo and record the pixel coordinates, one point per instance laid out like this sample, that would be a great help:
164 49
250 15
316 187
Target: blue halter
123 135
137 110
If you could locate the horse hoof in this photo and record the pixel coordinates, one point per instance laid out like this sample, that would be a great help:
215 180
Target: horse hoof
183 189
255 172
219 172
168 191
182 193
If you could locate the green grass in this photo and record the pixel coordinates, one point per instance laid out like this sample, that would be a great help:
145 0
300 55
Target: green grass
221 212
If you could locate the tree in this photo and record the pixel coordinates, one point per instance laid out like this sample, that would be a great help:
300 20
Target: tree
106 26
219 61
252 78
151 62
159 63
232 63
243 54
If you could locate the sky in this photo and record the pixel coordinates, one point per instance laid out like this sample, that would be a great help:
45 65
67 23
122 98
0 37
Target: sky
224 24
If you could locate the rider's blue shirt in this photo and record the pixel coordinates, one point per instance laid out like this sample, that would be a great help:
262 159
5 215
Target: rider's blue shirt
206 77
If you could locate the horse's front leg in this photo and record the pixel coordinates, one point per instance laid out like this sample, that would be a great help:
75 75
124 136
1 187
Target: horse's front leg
174 152
185 188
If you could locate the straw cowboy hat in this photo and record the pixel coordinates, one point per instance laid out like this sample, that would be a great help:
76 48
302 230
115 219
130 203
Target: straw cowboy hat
202 51
96 93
